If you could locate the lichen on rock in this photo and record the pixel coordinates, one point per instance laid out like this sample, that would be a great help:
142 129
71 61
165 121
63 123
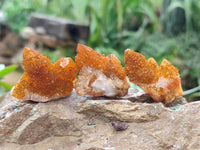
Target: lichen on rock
99 75
42 80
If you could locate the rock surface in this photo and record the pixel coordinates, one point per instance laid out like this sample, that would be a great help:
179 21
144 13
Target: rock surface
85 123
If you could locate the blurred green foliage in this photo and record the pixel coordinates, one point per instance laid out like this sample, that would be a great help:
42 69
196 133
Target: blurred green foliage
17 13
60 52
4 72
116 25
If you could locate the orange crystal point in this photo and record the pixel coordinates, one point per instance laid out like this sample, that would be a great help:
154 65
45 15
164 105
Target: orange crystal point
87 57
162 84
43 81
114 67
99 75
138 69
173 88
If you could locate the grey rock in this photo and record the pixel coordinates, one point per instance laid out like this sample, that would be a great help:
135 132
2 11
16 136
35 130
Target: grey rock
13 44
95 148
20 120
120 126
34 39
27 33
77 122
47 40
9 44
4 30
177 101
121 110
4 60
59 27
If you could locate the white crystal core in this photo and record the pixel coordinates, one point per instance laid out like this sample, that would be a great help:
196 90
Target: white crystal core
162 82
103 84
64 63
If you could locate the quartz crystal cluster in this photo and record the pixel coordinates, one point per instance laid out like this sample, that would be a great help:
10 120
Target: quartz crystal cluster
42 80
161 83
99 75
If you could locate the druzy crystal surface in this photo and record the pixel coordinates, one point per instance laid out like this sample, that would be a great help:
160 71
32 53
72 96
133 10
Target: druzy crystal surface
42 80
161 83
99 75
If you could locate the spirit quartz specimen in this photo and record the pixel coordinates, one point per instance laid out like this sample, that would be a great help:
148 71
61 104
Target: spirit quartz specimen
42 80
161 83
99 75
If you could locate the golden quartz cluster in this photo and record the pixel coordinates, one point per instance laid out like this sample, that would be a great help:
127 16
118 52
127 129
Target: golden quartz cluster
43 81
99 75
161 83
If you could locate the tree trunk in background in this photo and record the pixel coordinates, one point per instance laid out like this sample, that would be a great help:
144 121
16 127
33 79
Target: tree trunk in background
174 22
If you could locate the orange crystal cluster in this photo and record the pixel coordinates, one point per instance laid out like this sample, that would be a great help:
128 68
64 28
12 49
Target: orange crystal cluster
99 75
44 81
161 83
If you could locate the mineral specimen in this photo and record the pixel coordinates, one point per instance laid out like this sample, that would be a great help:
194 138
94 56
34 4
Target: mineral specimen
161 83
99 75
120 126
42 80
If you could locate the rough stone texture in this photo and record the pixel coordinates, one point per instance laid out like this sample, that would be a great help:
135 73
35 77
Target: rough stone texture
20 120
59 27
122 110
84 123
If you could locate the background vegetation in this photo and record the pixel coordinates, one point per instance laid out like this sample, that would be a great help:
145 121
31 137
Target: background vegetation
3 72
156 28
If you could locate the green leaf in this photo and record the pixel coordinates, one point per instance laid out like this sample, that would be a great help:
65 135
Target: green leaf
6 85
7 70
119 15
